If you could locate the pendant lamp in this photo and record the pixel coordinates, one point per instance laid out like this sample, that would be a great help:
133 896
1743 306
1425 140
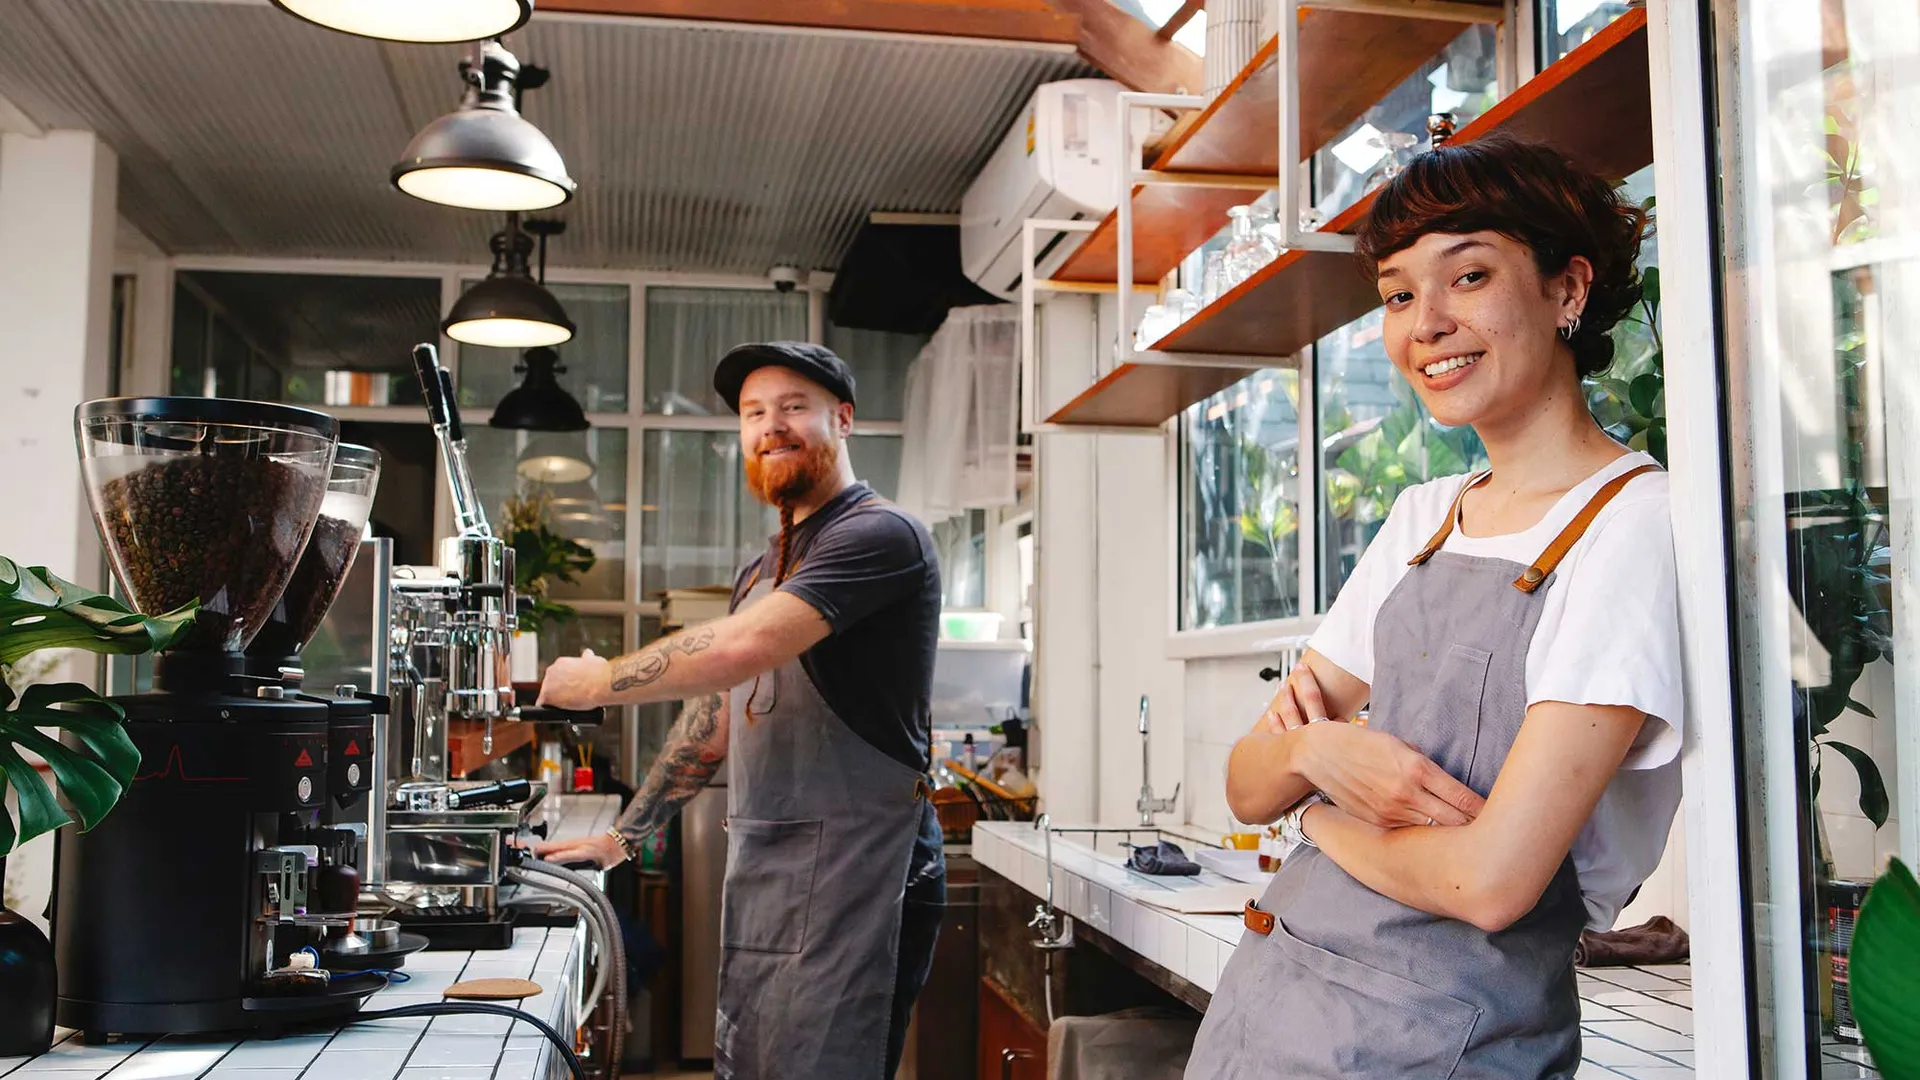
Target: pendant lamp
509 310
484 155
434 22
555 459
539 403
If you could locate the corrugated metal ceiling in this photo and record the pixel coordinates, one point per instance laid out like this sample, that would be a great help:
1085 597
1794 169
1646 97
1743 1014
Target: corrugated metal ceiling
244 131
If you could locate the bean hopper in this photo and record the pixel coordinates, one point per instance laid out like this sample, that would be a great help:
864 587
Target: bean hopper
186 910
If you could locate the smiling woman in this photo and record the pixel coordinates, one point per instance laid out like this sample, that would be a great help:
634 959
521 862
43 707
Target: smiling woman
1516 637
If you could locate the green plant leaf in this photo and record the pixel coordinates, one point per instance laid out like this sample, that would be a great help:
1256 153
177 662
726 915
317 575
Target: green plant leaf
1644 394
39 811
1861 709
41 611
1873 790
92 776
1650 284
1883 972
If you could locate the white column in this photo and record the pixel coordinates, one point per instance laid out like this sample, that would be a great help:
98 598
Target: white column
57 224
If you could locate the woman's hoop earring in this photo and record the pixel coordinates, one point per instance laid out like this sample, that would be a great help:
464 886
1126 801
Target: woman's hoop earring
1572 328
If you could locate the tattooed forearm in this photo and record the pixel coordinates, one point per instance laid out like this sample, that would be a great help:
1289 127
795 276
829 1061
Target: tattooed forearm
695 750
650 664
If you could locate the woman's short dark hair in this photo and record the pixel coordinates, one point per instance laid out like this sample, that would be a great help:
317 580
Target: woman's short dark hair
1533 195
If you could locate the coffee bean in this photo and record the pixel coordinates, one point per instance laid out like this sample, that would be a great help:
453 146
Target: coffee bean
224 530
316 583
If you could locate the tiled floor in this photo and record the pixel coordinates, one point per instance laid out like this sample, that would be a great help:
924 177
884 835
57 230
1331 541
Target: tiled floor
1638 1023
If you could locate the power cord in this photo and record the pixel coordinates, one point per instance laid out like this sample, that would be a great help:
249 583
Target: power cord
479 1008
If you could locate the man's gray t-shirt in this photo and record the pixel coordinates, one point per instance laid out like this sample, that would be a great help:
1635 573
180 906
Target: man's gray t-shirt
870 569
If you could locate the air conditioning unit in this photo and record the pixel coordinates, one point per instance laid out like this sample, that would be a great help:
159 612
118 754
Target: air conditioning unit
1058 161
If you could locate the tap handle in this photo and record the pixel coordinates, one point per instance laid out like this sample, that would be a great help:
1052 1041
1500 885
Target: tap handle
426 362
1143 714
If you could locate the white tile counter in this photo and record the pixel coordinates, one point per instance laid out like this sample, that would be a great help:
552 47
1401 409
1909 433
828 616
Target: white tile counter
421 1048
1111 899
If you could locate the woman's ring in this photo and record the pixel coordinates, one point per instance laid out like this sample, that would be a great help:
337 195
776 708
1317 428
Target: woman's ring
1429 821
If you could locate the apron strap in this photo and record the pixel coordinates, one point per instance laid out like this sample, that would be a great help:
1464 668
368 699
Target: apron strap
1453 515
1260 922
1530 580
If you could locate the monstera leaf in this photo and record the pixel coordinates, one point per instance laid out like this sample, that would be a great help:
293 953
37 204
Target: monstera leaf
41 611
1883 973
92 774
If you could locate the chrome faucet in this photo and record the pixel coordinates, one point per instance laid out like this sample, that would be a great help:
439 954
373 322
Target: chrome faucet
1149 805
1055 929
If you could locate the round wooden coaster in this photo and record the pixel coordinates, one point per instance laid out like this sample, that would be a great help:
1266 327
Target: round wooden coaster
494 989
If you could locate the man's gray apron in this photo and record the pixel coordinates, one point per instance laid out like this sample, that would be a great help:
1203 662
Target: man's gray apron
1334 980
820 829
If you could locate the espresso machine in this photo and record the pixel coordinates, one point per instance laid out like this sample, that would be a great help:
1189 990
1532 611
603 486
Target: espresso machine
444 842
189 907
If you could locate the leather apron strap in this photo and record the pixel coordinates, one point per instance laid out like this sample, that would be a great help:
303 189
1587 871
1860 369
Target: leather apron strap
1530 579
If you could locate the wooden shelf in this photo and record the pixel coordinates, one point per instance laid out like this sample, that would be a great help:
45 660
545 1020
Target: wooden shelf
464 740
1348 62
1302 296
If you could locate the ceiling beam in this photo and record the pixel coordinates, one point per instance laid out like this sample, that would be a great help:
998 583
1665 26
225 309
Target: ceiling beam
1180 19
1129 51
1032 21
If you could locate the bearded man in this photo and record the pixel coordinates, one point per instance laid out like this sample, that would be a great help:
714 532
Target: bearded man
814 692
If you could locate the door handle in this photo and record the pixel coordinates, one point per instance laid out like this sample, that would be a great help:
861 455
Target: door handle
1010 1055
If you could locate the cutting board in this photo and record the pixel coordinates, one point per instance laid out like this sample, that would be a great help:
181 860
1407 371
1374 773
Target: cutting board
1228 899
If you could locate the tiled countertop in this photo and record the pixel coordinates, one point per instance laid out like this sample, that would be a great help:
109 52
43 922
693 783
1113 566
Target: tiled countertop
1635 1023
423 1048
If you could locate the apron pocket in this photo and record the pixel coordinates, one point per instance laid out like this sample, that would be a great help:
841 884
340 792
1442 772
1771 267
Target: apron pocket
769 890
1447 727
1364 1021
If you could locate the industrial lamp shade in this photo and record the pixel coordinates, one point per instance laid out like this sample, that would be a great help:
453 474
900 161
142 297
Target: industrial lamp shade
426 21
485 155
509 310
539 403
554 459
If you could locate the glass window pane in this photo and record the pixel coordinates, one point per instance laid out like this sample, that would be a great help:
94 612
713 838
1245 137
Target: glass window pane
1461 80
962 543
1565 25
587 507
1239 521
876 459
689 330
604 634
698 522
595 360
880 361
1822 432
304 339
1377 440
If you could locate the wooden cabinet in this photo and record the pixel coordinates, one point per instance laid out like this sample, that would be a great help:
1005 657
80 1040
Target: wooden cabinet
1012 1045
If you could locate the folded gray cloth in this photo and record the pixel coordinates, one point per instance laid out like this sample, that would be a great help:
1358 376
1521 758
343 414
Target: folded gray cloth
1164 858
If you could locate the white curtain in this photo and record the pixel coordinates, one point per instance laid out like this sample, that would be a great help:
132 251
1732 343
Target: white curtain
961 415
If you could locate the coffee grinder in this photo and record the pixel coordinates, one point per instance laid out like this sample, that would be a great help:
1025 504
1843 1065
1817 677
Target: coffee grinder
186 909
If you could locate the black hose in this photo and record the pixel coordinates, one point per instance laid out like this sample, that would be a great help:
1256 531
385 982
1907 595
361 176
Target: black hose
479 1008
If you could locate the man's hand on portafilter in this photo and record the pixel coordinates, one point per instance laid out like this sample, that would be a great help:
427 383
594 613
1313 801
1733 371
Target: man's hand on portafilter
576 682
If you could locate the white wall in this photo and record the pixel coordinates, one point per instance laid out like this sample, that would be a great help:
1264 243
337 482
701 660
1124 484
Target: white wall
1101 613
58 221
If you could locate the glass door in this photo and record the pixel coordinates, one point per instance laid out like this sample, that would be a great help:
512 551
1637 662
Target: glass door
1818 169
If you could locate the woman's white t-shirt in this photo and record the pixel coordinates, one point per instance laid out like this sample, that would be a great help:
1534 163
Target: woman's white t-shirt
1609 634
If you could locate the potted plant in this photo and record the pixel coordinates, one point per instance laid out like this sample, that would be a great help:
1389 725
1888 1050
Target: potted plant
94 762
540 558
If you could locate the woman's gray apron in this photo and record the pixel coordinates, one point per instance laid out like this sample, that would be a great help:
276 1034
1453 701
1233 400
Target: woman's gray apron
820 831
1334 980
